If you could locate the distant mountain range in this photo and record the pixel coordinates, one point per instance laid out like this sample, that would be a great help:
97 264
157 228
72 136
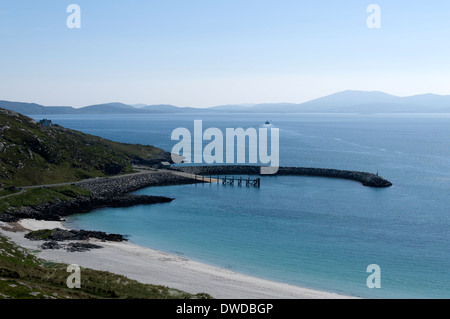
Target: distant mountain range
342 102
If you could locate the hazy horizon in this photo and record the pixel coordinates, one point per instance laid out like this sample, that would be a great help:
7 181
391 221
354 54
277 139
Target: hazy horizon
204 54
140 105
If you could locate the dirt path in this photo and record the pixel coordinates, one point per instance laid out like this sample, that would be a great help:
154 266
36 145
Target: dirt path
14 194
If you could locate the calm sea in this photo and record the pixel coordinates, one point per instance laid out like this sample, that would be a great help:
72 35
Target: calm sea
314 232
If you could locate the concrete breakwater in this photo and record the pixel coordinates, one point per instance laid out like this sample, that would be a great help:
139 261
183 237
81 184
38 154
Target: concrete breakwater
367 179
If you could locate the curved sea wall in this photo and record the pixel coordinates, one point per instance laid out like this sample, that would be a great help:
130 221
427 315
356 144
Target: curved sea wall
115 191
367 179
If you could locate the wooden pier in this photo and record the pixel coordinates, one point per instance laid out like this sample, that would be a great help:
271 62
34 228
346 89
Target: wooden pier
225 180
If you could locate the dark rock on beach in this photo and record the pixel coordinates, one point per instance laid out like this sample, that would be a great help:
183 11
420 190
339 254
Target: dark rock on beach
81 247
71 247
58 235
54 239
51 245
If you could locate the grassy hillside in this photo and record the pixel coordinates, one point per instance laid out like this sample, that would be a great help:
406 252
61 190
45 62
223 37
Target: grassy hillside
31 154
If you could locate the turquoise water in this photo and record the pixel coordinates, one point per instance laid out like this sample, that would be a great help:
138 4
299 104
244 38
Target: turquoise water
315 232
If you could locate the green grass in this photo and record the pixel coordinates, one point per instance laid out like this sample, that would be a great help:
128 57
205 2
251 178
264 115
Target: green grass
70 190
24 276
35 196
41 234
4 192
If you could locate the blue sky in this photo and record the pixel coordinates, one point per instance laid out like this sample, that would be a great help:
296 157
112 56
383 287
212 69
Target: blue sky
211 52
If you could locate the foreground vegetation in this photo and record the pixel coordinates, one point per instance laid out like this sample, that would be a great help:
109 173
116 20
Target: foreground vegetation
24 276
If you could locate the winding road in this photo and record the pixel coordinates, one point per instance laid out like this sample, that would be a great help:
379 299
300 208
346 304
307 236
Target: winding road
140 170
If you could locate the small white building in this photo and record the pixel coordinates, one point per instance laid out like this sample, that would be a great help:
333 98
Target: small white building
164 165
46 123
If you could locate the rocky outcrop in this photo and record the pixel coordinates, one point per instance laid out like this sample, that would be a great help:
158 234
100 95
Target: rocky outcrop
367 179
59 234
51 245
80 247
70 247
58 208
54 237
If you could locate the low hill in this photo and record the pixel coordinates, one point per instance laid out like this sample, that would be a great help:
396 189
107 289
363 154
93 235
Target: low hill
108 108
33 108
349 101
32 154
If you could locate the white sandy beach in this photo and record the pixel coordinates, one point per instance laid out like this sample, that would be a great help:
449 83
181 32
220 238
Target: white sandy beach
159 268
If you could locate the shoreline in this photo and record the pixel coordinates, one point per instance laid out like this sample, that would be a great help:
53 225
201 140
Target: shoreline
148 265
151 266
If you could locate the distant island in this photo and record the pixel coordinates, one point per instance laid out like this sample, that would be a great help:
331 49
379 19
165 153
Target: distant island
341 102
